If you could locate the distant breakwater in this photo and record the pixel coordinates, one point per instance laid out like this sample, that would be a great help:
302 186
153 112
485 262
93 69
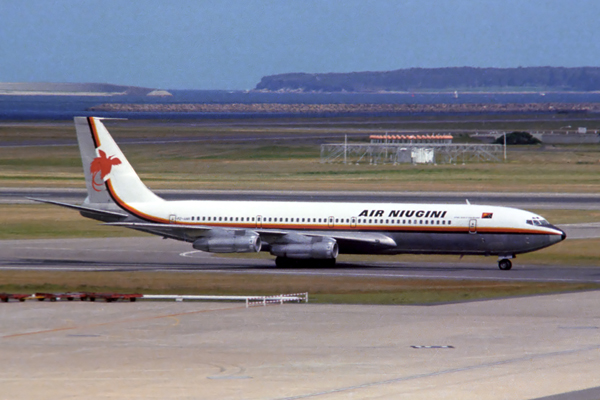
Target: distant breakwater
352 108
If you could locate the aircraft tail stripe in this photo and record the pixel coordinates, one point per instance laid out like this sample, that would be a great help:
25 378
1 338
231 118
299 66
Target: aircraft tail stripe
94 132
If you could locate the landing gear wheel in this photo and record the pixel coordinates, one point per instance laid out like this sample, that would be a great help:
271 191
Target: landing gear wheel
504 264
282 262
326 263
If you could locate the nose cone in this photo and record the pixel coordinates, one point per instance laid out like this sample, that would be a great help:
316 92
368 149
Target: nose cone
560 238
554 238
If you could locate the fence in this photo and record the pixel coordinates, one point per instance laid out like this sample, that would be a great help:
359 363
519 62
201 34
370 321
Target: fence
396 153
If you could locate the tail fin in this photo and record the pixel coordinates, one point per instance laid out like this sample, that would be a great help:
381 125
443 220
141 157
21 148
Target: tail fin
108 175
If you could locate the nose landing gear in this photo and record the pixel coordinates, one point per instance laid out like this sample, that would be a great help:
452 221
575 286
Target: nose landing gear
504 264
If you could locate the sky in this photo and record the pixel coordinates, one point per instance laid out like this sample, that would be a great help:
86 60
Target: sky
232 44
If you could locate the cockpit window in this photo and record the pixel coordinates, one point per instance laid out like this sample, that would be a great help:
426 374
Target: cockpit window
538 222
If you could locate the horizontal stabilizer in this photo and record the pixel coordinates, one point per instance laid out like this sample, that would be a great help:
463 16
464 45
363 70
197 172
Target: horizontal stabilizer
113 215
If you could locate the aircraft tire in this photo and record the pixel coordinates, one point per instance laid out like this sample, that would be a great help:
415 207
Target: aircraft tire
505 264
282 262
327 263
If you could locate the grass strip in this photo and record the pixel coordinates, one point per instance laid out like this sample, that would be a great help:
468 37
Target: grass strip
322 289
44 221
289 162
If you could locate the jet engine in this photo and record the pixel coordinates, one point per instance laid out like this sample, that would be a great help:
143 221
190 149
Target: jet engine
326 249
235 242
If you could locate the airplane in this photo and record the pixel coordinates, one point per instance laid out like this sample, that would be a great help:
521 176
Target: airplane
298 233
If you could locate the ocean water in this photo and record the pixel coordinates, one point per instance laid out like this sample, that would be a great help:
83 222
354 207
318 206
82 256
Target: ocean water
66 107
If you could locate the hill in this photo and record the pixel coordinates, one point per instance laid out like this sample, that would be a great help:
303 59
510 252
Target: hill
583 79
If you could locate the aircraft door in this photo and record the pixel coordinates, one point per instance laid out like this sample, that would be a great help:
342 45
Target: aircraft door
473 226
258 221
330 222
172 218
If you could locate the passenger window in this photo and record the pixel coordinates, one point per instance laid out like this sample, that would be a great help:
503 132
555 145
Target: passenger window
449 222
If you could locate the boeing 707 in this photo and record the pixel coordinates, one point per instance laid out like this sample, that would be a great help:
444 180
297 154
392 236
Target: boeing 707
298 232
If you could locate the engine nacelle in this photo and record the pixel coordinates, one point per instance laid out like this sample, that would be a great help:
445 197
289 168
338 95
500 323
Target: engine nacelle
246 242
320 250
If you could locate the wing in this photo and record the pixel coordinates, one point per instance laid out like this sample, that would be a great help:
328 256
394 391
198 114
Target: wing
173 231
190 233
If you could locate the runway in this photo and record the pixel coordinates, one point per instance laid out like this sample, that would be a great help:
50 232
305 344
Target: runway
576 201
155 254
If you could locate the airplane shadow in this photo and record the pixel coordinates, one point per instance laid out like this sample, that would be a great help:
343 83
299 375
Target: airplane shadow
238 265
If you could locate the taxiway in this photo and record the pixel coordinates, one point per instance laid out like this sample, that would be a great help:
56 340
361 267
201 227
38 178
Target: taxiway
156 254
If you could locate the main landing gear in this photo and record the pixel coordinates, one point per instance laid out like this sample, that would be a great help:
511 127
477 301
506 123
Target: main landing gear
504 264
285 262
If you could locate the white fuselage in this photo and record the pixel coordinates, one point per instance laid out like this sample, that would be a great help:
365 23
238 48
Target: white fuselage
435 228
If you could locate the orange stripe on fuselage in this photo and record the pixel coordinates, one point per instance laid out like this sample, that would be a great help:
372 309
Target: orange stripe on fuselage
388 228
129 208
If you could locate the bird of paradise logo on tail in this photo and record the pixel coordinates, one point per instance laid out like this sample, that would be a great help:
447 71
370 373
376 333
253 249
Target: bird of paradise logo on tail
101 166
